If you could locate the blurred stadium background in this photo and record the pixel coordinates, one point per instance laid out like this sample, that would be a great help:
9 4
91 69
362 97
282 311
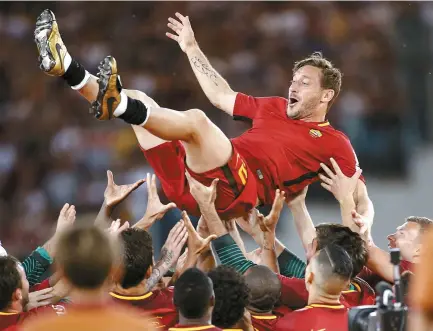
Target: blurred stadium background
52 151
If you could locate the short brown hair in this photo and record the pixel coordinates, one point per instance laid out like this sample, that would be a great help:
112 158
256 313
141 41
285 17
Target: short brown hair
424 222
331 76
86 256
10 280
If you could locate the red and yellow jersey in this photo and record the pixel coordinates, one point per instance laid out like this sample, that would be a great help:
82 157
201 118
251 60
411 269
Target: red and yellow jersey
287 153
158 304
11 321
294 294
265 322
179 327
315 317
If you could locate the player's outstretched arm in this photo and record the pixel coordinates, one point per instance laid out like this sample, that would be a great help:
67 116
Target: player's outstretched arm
350 192
214 86
301 217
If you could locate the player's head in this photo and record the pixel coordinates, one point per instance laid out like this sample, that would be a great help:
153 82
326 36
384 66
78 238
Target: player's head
264 287
14 287
408 237
315 85
351 242
329 271
231 296
194 296
137 257
86 257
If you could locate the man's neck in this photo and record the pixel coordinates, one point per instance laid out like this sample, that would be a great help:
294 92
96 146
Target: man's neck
138 290
323 298
205 320
89 297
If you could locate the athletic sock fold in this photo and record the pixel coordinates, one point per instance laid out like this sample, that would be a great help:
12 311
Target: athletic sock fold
76 76
136 112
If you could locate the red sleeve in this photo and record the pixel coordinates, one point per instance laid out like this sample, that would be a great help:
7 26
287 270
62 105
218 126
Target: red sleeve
406 266
249 107
41 286
294 294
346 157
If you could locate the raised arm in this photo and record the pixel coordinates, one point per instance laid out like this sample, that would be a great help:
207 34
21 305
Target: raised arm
214 86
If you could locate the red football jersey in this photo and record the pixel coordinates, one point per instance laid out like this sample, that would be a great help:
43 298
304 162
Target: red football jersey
158 303
315 317
9 321
179 327
265 322
287 153
41 286
373 279
294 293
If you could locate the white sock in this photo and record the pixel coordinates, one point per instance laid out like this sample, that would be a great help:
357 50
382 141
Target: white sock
67 61
83 82
121 108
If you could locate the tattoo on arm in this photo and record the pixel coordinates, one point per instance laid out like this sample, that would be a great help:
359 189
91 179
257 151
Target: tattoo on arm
160 268
205 69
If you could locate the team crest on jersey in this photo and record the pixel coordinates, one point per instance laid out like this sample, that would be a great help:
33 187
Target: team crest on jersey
315 133
59 309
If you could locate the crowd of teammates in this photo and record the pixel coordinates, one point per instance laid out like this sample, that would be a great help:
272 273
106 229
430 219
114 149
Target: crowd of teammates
105 277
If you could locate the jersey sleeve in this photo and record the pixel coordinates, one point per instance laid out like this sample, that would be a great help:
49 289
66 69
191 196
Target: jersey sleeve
346 158
36 264
248 107
294 294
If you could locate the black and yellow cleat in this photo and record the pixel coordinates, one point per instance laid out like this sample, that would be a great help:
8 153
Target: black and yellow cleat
52 50
110 87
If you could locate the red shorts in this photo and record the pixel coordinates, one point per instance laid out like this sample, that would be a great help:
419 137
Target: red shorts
236 190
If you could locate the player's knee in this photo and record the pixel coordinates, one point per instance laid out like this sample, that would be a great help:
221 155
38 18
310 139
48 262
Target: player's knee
198 118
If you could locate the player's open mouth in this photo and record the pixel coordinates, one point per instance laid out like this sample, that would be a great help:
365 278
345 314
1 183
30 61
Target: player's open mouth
293 101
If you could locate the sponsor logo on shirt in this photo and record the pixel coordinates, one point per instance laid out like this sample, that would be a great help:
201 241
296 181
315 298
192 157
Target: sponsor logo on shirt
315 133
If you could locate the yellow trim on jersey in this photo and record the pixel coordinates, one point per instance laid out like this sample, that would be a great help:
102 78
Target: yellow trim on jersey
5 314
323 124
198 328
264 317
314 305
356 286
122 297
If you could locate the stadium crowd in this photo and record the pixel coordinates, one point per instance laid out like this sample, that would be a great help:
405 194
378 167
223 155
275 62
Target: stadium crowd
69 153
102 274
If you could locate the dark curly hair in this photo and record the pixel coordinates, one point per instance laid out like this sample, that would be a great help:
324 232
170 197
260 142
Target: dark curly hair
231 296
137 256
350 241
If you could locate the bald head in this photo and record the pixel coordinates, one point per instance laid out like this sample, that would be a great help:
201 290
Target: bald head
264 287
330 270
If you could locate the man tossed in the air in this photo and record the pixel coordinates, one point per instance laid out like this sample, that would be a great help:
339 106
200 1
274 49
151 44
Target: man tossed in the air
284 148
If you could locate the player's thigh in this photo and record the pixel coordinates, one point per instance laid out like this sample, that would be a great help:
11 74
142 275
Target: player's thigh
210 148
144 137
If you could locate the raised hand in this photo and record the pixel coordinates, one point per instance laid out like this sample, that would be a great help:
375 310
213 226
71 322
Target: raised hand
115 194
269 223
66 218
338 183
155 208
40 298
362 225
196 244
117 228
183 33
204 195
170 253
